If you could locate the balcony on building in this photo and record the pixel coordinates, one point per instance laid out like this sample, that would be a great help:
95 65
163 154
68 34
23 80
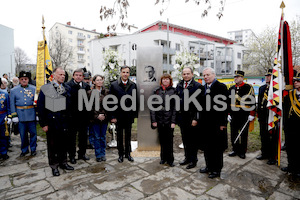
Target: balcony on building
80 45
81 60
80 37
80 52
167 67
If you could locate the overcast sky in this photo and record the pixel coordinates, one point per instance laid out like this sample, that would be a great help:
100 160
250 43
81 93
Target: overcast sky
25 17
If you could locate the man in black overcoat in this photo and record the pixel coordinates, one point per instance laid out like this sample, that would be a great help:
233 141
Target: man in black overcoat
213 123
78 119
187 119
268 138
54 120
123 117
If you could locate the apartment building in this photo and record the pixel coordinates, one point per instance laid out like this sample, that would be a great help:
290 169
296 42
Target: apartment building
7 56
241 36
77 39
222 54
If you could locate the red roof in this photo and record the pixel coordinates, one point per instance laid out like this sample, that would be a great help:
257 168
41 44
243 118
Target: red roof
160 25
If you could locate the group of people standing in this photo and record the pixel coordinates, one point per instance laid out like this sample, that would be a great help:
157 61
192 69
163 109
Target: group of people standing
203 114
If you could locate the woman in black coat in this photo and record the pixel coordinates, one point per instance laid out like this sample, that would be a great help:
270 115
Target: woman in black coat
164 119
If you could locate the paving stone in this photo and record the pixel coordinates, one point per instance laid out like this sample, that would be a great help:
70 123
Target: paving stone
78 176
171 193
160 180
152 166
122 193
80 191
5 183
227 192
28 177
197 183
12 169
205 197
290 186
28 191
252 182
278 195
41 162
119 179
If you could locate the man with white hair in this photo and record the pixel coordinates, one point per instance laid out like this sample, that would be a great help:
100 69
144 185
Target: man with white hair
213 122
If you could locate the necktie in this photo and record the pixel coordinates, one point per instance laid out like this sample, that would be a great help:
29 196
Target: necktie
185 84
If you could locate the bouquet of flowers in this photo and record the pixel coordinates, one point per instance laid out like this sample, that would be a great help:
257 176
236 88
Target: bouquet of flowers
111 65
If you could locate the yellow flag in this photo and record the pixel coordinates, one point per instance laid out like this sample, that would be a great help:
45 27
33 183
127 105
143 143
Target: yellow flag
48 64
40 69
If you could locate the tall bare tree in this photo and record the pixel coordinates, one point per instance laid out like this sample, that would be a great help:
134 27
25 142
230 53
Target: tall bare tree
21 59
262 48
119 10
60 51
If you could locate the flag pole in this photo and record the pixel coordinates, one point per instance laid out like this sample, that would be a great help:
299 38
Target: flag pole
44 38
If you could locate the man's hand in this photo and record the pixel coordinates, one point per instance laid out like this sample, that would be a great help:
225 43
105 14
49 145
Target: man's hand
154 124
229 118
113 120
251 118
101 117
45 128
8 121
173 125
194 123
15 119
222 128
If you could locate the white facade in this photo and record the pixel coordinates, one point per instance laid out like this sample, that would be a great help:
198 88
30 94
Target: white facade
241 36
7 57
224 58
78 39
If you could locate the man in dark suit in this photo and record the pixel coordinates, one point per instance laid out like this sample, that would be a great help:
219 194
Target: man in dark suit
79 119
268 139
123 118
53 120
213 122
187 119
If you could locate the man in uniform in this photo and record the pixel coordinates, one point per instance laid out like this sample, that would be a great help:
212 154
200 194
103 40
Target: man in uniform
187 119
79 119
242 111
4 118
291 121
54 120
23 111
124 119
268 139
213 123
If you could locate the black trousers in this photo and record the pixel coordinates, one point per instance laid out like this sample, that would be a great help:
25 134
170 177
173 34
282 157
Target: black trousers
237 123
56 143
269 141
81 128
189 139
165 133
213 158
292 139
121 128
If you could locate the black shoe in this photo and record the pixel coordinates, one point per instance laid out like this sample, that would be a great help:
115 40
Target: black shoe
162 162
90 146
33 153
83 157
285 169
242 156
191 165
120 159
184 162
130 158
271 162
4 156
98 159
73 160
171 164
23 154
55 172
214 174
66 166
232 154
103 158
204 170
261 157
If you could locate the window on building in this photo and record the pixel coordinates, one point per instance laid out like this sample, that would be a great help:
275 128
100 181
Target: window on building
80 49
212 65
89 36
80 57
70 40
239 55
88 64
70 32
177 47
80 34
124 62
239 67
79 42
